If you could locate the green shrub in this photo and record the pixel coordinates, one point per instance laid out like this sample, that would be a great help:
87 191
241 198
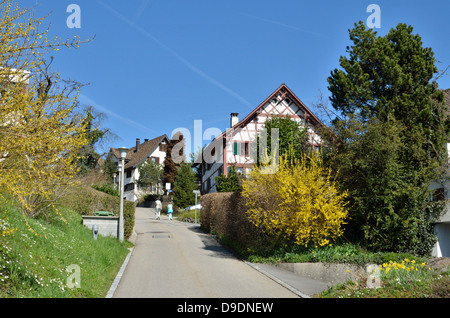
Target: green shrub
107 188
224 214
86 201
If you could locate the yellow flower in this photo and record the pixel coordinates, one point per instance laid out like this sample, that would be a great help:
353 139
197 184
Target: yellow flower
348 271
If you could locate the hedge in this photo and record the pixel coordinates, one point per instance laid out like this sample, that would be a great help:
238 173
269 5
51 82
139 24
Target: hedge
223 213
86 200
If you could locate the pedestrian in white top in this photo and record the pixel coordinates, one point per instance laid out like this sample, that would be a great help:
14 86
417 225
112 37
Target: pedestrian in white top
158 209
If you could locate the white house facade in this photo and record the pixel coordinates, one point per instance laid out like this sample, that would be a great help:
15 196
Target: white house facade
442 227
237 145
150 150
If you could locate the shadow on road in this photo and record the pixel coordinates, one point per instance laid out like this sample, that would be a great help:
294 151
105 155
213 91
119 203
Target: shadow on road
212 244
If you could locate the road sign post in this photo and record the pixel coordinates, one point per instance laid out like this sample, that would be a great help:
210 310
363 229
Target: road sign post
196 192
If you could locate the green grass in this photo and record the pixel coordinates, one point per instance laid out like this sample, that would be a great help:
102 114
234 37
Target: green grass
189 214
36 264
336 253
401 283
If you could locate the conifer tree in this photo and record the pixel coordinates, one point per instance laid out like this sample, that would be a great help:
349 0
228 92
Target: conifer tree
185 183
391 116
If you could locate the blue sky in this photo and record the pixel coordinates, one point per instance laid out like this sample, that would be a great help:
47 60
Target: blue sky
155 66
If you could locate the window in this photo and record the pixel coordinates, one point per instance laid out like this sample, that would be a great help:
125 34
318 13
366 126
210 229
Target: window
241 148
438 195
163 147
155 160
246 151
129 187
129 173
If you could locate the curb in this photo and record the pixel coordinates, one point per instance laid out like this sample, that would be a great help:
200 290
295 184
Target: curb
292 289
114 285
282 283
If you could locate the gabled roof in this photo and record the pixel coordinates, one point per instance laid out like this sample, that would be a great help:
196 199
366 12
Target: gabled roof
284 90
134 158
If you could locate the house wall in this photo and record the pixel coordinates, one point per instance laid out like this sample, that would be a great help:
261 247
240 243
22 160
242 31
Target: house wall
135 194
245 158
442 247
442 229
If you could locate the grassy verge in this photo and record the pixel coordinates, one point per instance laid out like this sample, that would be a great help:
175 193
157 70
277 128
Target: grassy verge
334 253
188 215
57 259
405 279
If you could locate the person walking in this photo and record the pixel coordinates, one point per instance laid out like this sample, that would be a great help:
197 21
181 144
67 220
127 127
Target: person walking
158 209
170 210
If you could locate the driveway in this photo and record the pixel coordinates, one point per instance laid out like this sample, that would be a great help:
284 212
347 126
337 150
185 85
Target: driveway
177 260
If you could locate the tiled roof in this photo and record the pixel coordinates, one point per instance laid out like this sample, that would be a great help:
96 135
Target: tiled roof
146 148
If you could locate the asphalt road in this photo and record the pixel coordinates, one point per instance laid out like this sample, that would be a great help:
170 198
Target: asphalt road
177 260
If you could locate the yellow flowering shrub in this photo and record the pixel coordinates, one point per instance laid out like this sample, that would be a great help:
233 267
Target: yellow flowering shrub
40 127
299 200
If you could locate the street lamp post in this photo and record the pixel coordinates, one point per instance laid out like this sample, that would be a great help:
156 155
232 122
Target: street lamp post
123 153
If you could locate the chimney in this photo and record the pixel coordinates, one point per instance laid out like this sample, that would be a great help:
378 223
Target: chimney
138 142
234 119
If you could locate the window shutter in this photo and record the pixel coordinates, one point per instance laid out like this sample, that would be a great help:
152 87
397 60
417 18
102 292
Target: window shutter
236 149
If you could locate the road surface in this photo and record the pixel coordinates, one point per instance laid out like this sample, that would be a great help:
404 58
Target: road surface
177 260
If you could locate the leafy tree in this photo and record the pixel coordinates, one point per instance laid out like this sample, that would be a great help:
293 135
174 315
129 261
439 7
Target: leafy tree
300 202
150 174
185 184
392 130
229 183
41 129
292 138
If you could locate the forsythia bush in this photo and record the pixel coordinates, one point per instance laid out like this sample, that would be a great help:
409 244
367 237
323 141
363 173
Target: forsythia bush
299 201
41 128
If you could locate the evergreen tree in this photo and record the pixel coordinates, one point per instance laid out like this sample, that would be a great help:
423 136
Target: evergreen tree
229 183
393 132
109 168
88 156
185 184
174 156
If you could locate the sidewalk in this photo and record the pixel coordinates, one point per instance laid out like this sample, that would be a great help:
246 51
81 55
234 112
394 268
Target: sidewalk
302 286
